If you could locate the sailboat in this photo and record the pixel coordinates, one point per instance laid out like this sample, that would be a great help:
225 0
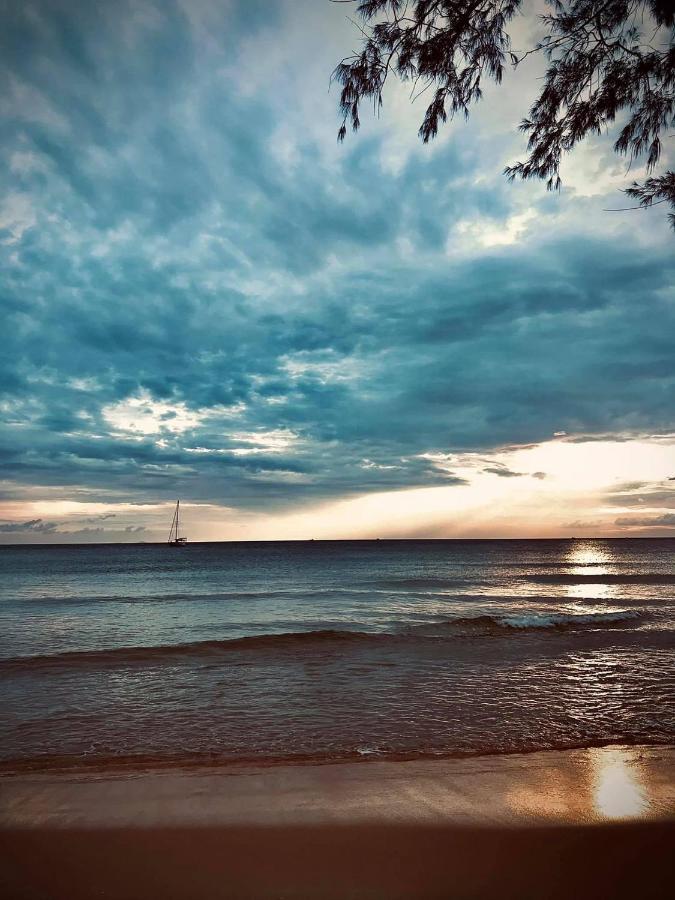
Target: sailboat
174 535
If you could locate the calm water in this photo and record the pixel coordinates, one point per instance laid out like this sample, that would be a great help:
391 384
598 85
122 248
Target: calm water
333 649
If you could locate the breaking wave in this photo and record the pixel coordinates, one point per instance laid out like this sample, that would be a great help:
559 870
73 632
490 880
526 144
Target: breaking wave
476 626
529 622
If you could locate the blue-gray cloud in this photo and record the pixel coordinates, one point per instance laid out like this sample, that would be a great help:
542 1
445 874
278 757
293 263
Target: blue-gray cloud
38 529
664 521
32 526
652 495
158 241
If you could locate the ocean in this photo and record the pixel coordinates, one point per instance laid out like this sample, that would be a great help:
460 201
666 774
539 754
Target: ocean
144 655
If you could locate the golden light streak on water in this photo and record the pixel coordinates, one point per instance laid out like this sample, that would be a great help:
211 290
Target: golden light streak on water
588 558
591 591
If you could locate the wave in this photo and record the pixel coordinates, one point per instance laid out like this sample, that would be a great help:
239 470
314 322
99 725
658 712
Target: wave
603 578
186 597
528 622
123 655
476 626
421 582
429 584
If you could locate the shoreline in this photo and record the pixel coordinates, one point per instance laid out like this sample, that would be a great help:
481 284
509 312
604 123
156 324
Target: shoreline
140 764
589 823
585 823
587 785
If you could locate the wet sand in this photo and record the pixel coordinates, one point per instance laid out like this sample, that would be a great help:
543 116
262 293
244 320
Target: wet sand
591 823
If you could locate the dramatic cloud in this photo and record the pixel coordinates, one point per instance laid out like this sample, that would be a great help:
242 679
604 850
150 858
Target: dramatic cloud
205 297
666 520
38 529
33 526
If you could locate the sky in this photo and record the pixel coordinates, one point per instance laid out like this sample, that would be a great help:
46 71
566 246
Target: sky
206 297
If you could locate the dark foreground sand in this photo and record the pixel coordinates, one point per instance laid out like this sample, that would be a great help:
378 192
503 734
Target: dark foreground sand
387 862
589 823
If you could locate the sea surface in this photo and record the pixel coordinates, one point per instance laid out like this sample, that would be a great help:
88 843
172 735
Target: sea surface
141 655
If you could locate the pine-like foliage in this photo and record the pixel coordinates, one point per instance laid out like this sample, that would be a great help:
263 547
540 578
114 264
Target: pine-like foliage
655 190
606 60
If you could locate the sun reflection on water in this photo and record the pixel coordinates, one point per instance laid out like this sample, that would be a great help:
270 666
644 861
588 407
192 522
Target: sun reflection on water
618 788
590 560
586 558
591 591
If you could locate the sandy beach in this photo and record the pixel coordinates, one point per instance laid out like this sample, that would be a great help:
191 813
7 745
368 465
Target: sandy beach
594 822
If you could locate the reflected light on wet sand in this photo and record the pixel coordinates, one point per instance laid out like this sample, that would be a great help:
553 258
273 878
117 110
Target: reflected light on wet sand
618 789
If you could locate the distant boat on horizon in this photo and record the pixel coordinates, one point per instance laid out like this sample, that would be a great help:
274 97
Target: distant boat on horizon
175 540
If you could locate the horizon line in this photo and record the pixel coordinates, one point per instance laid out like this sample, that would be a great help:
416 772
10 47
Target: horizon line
636 537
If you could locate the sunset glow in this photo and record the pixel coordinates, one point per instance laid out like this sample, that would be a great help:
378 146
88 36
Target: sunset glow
556 489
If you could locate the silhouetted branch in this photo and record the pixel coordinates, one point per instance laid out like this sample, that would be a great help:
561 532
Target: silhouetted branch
599 69
655 191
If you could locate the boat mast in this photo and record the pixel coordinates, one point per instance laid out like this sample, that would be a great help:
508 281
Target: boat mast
174 526
177 512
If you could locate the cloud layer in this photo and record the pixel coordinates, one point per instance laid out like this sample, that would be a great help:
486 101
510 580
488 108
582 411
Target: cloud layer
205 297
